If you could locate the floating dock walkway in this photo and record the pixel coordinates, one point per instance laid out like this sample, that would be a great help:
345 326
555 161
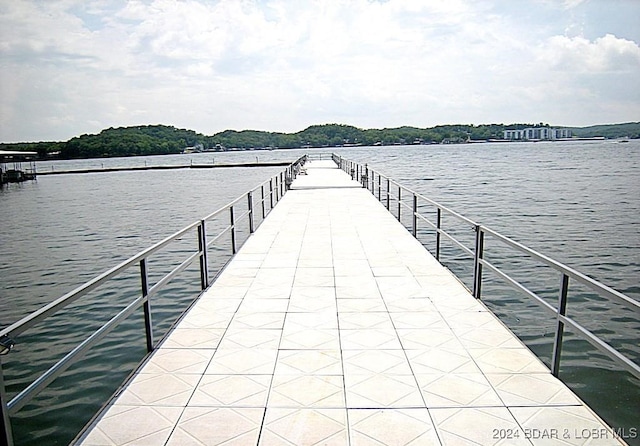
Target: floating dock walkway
334 326
164 167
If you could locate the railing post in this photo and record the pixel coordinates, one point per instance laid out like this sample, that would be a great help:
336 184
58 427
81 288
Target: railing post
281 185
204 263
562 311
379 187
6 436
399 203
477 264
233 230
148 324
288 181
271 192
438 227
365 178
250 205
388 194
276 188
415 215
262 201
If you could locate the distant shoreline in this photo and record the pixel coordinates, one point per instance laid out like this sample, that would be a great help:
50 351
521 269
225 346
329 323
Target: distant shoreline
149 140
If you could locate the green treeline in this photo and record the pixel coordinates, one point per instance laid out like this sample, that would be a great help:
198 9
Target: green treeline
333 135
162 139
131 141
629 129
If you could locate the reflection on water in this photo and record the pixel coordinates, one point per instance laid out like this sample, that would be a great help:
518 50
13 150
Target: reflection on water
576 202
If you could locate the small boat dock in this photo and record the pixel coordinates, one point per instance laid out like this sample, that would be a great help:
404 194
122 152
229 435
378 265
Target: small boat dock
332 325
11 166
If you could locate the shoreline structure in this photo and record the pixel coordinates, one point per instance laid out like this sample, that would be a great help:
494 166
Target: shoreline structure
165 167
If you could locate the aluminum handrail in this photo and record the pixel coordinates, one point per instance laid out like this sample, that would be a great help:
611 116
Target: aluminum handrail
518 286
10 407
48 310
70 297
367 177
571 272
70 358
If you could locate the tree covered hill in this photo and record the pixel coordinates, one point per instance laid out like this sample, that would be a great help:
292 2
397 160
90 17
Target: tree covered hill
131 141
122 141
332 135
629 129
162 139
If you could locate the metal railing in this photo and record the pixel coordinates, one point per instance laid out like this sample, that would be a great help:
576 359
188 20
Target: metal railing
394 196
271 191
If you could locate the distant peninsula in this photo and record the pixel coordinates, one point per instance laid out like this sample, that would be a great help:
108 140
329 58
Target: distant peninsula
163 139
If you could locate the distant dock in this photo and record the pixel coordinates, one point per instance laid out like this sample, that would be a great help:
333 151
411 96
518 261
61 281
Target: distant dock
164 167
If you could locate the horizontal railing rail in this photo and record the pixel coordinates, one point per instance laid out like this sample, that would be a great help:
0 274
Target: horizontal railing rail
391 192
320 156
271 191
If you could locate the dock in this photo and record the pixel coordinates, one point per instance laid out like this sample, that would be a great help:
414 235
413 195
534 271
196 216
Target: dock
332 325
11 170
164 167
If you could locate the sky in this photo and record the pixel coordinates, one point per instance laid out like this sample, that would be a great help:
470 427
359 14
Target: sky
70 67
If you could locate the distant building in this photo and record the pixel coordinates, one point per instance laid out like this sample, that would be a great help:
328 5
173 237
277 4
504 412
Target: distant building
537 133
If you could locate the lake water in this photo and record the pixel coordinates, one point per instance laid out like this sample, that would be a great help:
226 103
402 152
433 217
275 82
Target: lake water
577 202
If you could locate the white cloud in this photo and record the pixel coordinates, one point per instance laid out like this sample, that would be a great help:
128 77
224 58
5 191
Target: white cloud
74 67
604 54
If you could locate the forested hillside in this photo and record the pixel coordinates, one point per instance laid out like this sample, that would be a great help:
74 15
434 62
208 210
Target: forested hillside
630 129
332 135
162 139
131 141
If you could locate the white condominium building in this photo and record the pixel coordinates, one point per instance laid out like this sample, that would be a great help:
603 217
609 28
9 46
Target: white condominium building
537 133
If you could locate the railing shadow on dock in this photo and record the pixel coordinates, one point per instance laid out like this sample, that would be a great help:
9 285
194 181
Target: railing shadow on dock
243 215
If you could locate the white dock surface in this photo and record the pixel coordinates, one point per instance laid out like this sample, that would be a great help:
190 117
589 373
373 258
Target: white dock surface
333 326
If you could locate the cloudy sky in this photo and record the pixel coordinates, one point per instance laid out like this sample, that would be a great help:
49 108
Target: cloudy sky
69 67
